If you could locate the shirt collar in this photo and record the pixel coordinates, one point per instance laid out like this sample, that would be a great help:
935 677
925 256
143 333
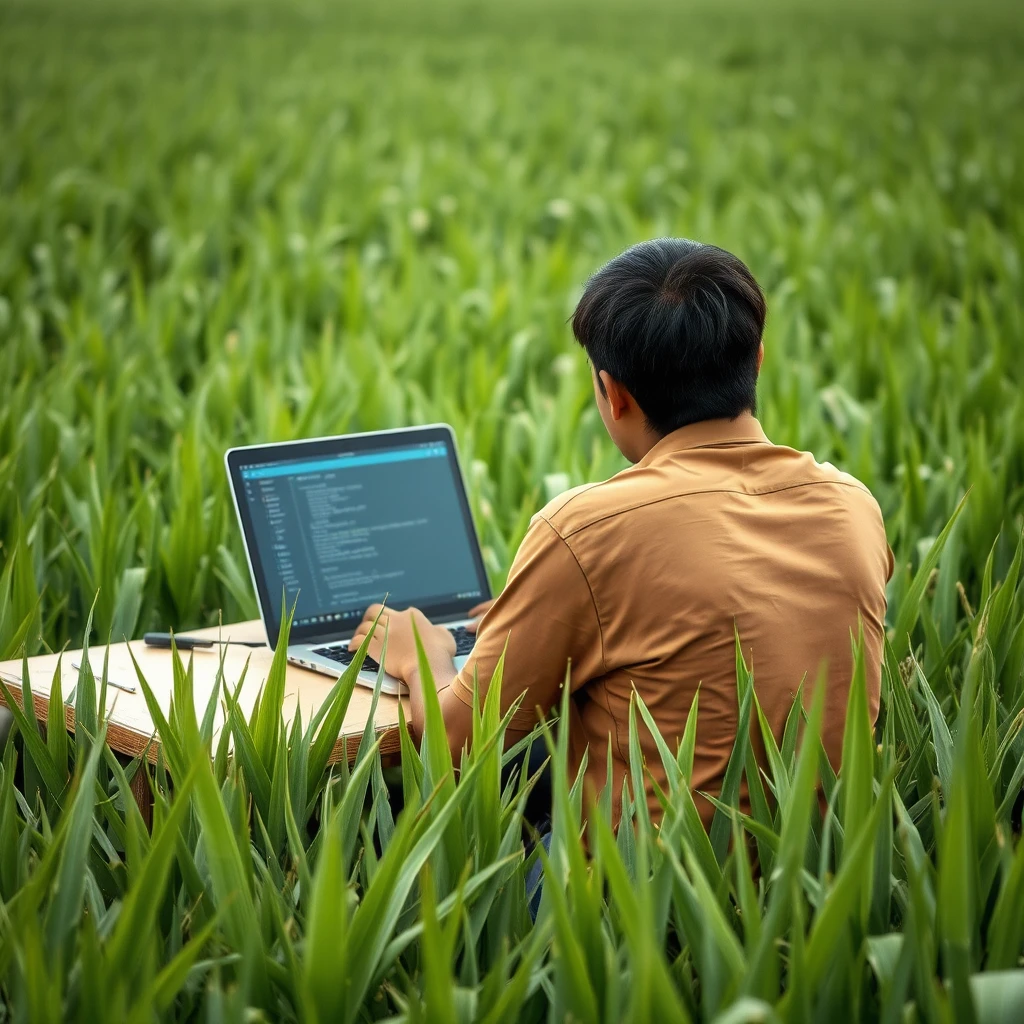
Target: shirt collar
743 429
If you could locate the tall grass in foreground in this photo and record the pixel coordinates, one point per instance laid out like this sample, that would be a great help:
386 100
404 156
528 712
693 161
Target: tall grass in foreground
275 888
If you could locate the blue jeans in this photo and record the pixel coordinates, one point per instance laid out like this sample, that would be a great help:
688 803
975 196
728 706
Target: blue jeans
535 878
537 813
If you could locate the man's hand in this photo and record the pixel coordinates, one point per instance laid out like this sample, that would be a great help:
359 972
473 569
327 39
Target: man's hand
402 661
477 613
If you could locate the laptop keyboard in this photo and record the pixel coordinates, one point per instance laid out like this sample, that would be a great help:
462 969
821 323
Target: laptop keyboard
464 641
343 656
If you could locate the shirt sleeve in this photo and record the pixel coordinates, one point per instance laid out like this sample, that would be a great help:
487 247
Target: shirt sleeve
547 615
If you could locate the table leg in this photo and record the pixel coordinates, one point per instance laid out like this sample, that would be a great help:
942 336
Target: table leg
142 793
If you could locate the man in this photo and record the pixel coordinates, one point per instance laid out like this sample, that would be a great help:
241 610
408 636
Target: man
640 580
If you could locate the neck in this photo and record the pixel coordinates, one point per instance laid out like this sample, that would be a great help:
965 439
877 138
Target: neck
641 441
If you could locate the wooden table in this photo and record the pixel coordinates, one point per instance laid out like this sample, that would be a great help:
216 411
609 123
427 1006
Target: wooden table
129 725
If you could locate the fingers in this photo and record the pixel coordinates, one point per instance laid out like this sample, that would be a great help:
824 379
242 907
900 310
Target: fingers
375 645
398 624
429 633
477 612
363 631
376 613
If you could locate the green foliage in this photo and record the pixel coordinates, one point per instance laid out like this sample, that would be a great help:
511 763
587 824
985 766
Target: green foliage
899 899
229 222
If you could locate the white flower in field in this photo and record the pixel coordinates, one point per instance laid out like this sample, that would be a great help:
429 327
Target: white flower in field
447 267
784 107
560 209
374 254
447 205
297 243
887 290
231 342
419 220
971 170
564 365
161 245
883 203
555 484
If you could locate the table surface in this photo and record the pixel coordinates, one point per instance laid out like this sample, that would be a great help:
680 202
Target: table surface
130 727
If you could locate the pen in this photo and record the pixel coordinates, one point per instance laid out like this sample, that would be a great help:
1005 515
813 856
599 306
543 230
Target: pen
127 687
187 643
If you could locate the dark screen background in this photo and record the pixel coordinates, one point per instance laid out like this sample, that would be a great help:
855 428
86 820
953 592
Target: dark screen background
340 539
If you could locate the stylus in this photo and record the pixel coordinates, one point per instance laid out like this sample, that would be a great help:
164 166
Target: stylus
127 687
186 643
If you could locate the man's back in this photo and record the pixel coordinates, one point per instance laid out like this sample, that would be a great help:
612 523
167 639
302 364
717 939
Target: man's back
642 579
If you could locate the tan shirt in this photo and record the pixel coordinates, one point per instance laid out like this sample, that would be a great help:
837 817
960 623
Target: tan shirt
638 581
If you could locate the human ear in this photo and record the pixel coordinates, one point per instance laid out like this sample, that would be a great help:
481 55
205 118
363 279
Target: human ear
760 356
618 397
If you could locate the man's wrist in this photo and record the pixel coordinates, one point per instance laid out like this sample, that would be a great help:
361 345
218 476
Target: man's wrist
442 670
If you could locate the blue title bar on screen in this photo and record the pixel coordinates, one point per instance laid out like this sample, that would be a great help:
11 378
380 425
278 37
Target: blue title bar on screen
344 462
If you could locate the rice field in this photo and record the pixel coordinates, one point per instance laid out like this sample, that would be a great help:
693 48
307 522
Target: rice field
231 222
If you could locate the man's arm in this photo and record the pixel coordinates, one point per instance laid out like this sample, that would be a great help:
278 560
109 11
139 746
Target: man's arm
547 617
544 620
402 659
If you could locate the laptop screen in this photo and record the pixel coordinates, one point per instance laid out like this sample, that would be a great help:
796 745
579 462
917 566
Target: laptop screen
335 525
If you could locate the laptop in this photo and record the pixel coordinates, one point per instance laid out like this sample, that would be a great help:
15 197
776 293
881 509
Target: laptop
335 524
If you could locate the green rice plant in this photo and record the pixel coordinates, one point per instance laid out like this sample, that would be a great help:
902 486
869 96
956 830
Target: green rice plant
273 884
237 222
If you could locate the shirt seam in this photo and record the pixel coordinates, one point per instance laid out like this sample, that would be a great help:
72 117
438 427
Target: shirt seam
725 443
578 492
615 725
855 484
457 687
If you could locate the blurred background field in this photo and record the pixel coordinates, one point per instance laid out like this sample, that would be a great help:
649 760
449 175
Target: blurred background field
225 223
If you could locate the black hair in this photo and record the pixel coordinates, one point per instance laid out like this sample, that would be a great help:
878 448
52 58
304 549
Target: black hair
678 324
